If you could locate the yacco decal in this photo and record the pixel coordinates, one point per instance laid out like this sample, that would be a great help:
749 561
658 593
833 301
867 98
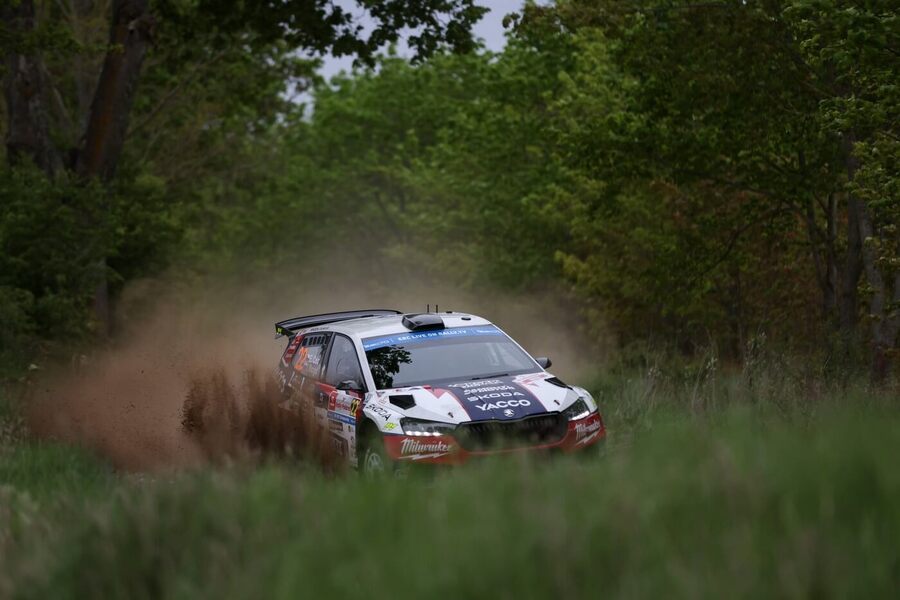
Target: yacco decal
421 336
498 398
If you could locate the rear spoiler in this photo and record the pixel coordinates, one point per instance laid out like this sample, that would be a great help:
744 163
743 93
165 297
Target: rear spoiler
290 327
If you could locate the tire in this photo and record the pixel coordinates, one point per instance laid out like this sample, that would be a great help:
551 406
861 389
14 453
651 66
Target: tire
372 458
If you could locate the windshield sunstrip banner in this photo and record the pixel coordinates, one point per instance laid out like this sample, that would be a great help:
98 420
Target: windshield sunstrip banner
415 337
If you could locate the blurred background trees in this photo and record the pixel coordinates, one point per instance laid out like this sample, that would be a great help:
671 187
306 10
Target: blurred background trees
690 174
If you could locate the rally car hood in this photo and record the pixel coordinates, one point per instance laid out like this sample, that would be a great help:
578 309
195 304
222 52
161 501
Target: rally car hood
504 398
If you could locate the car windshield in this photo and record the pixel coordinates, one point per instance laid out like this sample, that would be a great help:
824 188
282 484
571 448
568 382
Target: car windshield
445 355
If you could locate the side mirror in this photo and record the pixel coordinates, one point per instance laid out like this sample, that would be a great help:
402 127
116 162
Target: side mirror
544 362
350 385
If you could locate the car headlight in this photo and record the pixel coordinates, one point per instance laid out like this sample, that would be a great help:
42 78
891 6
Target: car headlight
425 428
578 410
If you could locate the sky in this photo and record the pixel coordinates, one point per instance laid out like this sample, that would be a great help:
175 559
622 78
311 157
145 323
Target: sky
489 29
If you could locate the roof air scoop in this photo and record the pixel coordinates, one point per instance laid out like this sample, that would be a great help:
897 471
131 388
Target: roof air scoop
423 322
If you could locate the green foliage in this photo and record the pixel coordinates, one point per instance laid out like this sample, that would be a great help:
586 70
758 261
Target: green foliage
687 171
759 117
53 237
320 25
216 95
445 159
721 506
50 471
16 329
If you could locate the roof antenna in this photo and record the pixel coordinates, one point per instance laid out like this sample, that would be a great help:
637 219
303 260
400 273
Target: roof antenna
428 308
436 309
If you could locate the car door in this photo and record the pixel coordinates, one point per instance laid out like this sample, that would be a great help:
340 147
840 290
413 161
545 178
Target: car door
345 386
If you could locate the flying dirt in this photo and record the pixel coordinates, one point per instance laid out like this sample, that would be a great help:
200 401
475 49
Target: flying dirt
188 379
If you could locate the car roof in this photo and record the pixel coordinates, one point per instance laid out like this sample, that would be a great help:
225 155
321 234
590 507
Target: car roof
367 327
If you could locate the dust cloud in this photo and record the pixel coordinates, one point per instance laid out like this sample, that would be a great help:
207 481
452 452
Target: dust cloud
188 379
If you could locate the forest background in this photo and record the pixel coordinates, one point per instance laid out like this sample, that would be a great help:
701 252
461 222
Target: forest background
684 175
691 205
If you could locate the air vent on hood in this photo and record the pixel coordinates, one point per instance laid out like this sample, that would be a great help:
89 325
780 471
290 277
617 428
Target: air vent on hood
405 401
423 322
557 381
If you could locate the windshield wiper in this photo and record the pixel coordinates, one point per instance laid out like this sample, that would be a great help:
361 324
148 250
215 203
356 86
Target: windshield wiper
489 376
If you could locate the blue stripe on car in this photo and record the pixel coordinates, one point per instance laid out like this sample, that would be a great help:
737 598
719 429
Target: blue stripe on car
422 336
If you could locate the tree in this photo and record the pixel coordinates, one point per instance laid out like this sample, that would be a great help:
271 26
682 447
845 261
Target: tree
316 25
748 98
855 45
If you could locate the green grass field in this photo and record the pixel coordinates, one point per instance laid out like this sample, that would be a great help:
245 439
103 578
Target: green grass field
704 490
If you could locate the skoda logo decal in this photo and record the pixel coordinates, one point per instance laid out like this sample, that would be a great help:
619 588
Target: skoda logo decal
509 412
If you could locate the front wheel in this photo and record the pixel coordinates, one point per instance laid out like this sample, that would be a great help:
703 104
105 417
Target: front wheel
373 459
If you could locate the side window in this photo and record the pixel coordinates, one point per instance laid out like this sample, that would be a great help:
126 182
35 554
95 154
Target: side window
343 362
308 358
291 350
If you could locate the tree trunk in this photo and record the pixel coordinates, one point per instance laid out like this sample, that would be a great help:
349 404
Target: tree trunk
85 70
821 261
885 321
852 272
26 91
130 36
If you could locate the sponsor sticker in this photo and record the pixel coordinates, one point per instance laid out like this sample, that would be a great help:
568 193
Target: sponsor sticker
416 449
291 349
309 358
476 384
421 336
495 398
341 417
586 431
490 388
496 395
342 403
341 446
496 389
379 410
504 404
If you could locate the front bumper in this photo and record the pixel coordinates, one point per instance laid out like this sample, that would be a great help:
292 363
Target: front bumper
446 449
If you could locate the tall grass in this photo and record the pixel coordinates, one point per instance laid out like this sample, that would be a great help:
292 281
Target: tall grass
709 489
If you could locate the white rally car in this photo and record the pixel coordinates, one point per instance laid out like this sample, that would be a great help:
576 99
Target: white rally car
391 388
